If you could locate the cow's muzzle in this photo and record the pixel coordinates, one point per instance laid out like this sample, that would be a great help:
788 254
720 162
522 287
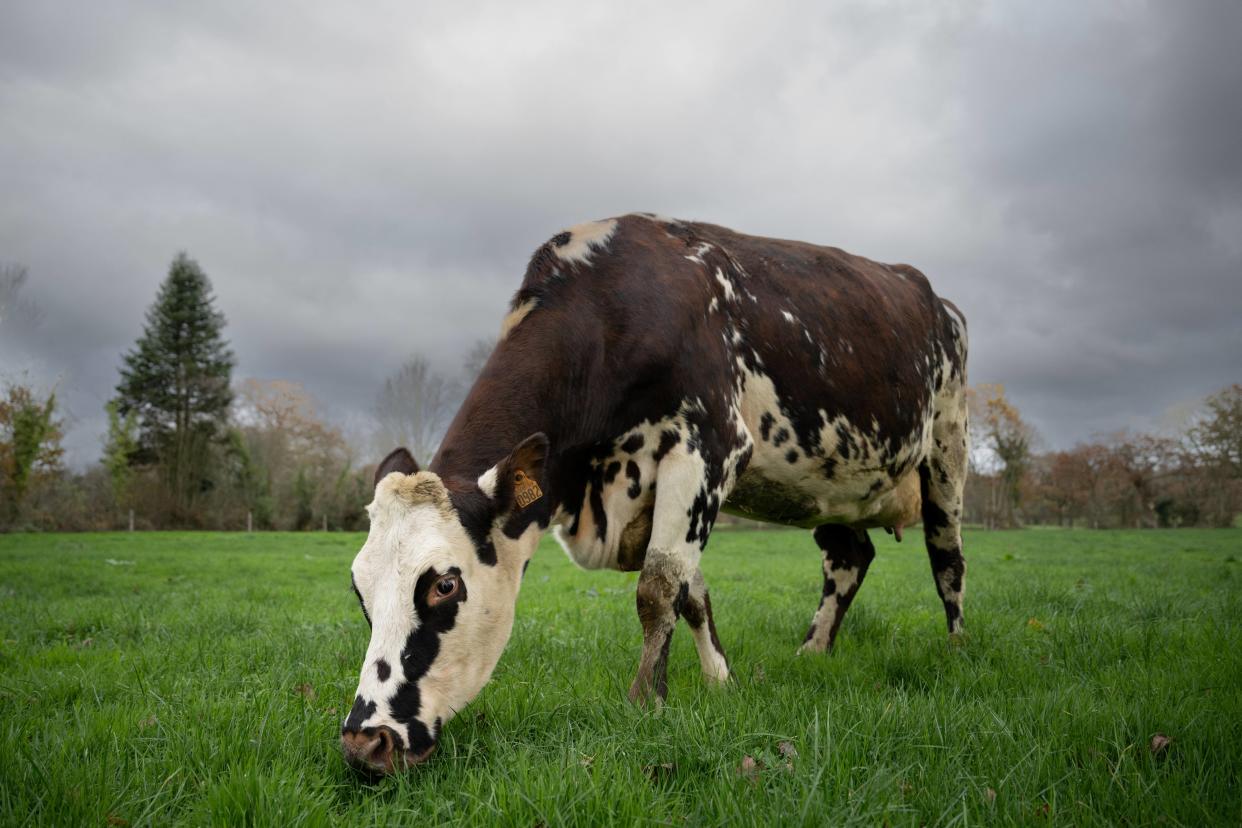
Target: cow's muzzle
378 751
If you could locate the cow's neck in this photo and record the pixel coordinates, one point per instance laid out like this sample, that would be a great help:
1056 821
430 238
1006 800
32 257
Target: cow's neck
513 398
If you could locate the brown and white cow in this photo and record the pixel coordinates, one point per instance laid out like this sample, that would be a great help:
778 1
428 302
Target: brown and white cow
650 373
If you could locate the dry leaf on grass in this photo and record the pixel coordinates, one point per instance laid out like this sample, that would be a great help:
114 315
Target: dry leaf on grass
149 721
305 691
113 819
749 769
990 795
787 750
1159 744
1035 624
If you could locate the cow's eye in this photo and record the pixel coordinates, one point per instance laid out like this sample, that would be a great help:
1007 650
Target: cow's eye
445 588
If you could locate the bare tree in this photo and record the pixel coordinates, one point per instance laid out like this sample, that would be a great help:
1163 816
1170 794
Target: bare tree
413 409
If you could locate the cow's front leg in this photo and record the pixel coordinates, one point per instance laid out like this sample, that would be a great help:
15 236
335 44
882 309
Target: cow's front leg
697 611
682 517
663 588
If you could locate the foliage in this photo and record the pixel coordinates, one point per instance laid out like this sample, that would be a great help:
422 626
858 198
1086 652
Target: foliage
30 438
1217 436
120 447
176 380
202 679
998 427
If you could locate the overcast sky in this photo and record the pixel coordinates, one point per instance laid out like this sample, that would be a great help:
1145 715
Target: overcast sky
367 181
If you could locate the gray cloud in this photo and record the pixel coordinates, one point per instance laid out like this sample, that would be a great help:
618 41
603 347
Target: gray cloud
363 186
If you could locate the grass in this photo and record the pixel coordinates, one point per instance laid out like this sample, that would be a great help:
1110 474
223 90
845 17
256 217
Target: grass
202 678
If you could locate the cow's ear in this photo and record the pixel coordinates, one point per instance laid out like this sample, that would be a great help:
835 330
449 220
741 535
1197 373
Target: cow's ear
519 477
399 460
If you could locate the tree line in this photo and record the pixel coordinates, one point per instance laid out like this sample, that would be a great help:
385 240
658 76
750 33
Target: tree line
190 446
1127 479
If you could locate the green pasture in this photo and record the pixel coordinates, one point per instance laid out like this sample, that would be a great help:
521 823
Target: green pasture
195 678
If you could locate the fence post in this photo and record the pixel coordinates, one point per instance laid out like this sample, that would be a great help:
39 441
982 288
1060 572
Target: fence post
131 520
325 523
249 522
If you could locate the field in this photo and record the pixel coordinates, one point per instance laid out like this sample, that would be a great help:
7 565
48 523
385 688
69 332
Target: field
202 678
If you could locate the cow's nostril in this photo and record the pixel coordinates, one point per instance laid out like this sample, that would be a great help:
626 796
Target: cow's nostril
381 754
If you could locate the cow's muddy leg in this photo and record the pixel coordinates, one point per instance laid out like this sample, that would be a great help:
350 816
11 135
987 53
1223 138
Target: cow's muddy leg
662 591
942 478
697 611
680 526
847 554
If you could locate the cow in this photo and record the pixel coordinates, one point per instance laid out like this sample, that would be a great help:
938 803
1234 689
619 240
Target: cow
651 372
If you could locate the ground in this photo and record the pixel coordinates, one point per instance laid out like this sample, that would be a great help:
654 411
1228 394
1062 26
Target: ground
193 678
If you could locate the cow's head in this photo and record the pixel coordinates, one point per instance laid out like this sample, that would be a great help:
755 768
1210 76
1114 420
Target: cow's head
438 583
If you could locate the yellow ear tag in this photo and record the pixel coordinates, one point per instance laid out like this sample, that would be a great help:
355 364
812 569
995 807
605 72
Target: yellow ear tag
525 490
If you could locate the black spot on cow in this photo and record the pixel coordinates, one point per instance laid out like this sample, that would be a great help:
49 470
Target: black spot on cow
525 566
632 472
561 239
743 460
382 670
419 653
765 424
934 517
679 601
632 443
610 473
875 486
829 468
809 634
476 512
354 586
845 442
598 512
791 456
668 439
782 435
359 713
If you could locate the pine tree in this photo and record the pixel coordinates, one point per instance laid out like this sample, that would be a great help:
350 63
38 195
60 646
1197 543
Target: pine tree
177 381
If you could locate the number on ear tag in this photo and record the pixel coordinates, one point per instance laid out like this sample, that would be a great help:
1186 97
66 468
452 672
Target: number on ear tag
525 490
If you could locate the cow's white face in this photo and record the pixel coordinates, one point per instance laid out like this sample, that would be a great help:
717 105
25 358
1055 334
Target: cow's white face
440 617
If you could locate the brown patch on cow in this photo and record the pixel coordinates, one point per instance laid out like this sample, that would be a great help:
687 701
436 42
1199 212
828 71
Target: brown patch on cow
632 548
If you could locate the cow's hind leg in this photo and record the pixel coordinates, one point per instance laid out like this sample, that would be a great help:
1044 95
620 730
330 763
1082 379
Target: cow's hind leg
697 611
847 554
942 478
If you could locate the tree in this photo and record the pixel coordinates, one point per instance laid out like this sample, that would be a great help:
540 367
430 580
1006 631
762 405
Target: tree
30 439
1218 433
1139 461
413 408
1214 448
301 459
1000 429
176 380
120 446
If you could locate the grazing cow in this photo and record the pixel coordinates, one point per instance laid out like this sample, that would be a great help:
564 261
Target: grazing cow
651 372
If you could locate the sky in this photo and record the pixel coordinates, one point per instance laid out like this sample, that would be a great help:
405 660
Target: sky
366 182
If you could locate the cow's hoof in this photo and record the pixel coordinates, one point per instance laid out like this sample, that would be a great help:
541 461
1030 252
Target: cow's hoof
812 647
645 697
